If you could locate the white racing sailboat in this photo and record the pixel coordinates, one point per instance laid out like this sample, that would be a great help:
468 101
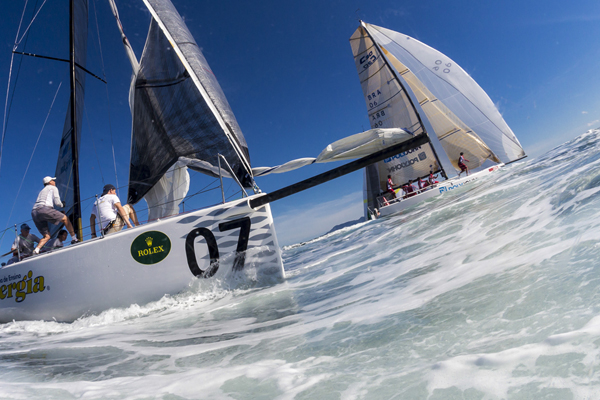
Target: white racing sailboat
410 85
181 119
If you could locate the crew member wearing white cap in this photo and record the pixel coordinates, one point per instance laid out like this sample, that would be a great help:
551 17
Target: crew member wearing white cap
23 244
44 212
113 216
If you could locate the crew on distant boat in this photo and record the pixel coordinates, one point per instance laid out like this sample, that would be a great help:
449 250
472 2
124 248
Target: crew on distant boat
462 165
390 187
409 189
432 177
23 244
113 216
57 242
44 212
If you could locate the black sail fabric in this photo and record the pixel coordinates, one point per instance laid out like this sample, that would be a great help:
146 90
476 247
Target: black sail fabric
64 165
179 109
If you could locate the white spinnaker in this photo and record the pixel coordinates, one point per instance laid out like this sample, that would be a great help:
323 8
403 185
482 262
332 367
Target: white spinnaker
455 88
349 148
454 135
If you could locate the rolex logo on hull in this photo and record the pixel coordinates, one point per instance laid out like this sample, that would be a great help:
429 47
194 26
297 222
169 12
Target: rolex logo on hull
150 247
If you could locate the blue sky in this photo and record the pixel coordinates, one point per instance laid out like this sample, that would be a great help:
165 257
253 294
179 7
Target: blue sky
288 73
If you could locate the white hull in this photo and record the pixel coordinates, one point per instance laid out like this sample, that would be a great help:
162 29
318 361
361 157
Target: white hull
118 270
441 188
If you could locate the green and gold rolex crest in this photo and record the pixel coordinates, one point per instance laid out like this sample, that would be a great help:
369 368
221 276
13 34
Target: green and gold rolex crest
150 247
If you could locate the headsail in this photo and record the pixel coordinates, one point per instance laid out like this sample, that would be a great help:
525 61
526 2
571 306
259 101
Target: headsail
454 135
179 109
66 167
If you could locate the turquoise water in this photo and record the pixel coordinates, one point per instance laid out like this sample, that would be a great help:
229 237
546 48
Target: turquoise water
491 292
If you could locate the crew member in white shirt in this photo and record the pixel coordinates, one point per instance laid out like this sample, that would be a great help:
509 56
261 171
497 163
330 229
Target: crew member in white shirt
57 242
112 215
44 212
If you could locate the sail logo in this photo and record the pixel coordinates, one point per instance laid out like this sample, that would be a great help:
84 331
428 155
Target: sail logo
369 59
19 287
404 154
438 66
420 157
150 247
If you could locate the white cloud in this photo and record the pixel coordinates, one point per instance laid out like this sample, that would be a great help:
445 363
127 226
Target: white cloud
584 112
594 122
306 224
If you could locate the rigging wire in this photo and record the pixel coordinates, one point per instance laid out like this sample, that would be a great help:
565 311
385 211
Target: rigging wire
12 57
17 43
32 154
112 144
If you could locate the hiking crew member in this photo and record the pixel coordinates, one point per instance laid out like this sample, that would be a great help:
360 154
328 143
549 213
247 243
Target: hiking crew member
23 244
113 216
462 165
44 212
57 242
432 178
409 189
390 187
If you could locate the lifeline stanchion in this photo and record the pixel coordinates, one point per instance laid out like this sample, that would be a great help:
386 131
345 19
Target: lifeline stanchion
99 217
17 241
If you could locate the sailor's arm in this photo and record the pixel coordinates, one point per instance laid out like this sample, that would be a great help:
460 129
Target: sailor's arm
56 195
123 214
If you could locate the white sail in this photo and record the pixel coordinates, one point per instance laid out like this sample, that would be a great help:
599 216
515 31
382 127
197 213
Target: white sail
451 85
454 135
165 197
351 147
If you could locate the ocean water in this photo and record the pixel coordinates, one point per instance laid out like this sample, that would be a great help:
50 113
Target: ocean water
491 292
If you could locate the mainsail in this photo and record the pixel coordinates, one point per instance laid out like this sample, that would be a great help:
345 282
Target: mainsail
178 107
389 106
66 166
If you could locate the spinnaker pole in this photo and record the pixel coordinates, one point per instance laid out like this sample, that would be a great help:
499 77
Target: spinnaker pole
345 169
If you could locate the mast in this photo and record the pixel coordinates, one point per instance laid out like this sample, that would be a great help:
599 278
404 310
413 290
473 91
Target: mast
76 215
394 73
